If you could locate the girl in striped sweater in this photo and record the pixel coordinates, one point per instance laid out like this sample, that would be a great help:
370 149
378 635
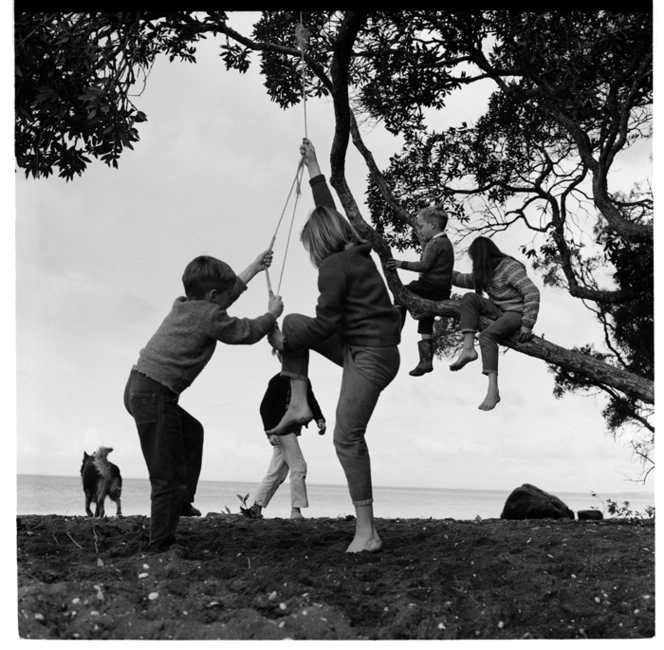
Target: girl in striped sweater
512 306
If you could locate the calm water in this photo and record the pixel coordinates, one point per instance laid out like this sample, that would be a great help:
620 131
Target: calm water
61 495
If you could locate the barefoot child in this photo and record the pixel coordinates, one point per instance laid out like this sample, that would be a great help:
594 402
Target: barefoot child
287 455
356 327
512 306
435 280
171 439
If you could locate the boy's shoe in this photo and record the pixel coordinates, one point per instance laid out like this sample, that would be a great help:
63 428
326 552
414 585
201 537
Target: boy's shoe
189 511
425 348
253 513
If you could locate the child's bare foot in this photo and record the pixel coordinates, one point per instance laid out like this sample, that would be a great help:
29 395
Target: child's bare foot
296 514
365 541
467 355
293 417
492 398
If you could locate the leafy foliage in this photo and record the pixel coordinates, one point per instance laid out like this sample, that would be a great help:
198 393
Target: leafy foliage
540 157
75 76
624 510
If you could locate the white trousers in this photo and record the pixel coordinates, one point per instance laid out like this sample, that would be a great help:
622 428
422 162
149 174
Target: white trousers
286 456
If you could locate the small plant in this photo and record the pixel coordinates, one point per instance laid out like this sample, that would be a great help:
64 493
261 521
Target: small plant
244 509
623 511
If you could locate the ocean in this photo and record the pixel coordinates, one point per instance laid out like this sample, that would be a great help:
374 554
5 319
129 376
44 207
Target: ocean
63 495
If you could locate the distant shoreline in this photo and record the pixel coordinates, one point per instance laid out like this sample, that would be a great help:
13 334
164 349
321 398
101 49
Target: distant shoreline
646 493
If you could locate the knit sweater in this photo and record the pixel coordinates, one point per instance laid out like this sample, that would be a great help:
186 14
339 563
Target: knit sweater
511 289
435 265
186 339
353 297
277 398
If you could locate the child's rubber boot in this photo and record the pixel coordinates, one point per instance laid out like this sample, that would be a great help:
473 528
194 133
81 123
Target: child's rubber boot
425 365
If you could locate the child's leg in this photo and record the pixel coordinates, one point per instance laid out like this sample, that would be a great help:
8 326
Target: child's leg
424 347
192 431
367 371
506 325
492 395
276 474
295 364
366 536
290 448
472 307
155 410
467 353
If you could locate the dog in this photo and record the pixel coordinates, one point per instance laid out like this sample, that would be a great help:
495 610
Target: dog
101 479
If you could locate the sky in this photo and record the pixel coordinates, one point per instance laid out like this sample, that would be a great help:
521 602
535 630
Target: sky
98 264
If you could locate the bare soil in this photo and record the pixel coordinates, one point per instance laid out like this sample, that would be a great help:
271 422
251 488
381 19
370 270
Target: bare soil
235 578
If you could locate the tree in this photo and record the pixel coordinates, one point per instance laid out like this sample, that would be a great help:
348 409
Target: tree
75 76
572 90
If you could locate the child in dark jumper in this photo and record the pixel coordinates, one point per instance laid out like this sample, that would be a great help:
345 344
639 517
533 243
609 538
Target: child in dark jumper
171 439
287 455
435 280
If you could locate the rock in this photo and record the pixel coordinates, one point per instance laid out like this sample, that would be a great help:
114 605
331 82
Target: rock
589 515
529 502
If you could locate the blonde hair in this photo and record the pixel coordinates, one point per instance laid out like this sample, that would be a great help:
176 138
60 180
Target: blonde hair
435 213
205 273
326 232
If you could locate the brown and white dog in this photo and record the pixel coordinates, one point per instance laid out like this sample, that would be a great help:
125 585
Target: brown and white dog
101 479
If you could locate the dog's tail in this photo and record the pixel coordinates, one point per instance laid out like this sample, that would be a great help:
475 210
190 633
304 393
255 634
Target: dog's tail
103 465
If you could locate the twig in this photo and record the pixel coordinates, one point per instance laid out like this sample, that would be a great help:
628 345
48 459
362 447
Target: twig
94 532
463 593
73 540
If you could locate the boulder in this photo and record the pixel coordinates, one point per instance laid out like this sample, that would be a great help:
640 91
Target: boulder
529 502
589 515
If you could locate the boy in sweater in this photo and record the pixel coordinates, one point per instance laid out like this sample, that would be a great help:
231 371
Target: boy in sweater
171 439
435 280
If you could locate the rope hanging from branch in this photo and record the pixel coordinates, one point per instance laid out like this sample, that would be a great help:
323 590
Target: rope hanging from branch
302 38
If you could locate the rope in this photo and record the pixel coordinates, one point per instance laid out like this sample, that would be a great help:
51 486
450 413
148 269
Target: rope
302 37
295 184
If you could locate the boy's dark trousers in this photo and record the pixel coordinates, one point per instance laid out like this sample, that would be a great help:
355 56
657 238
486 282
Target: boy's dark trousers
172 445
424 325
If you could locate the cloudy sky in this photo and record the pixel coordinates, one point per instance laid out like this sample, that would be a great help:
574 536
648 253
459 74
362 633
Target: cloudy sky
99 262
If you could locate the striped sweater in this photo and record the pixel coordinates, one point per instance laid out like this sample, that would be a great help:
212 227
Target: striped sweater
511 289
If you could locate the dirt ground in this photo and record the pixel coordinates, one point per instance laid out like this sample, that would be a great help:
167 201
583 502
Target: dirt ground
237 578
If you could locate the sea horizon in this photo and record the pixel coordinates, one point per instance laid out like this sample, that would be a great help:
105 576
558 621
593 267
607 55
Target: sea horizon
40 494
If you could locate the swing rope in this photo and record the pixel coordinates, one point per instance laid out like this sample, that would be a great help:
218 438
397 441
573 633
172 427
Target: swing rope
295 185
302 37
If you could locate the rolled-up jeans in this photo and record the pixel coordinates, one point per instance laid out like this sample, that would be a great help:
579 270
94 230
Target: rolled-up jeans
286 457
366 372
504 324
172 445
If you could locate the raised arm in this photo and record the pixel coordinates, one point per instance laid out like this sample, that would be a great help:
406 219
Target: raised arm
322 195
309 155
262 262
